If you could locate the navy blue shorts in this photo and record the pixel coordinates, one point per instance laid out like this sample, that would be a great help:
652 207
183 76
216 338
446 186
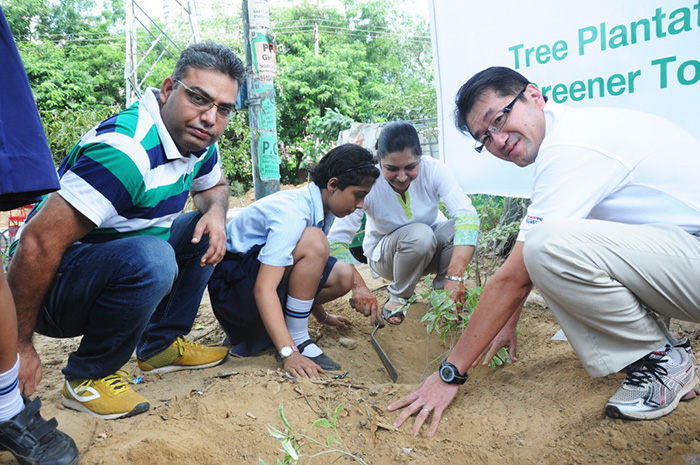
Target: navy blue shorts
26 167
231 294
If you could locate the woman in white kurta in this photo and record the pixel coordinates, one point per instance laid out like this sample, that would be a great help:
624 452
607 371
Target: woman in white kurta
406 235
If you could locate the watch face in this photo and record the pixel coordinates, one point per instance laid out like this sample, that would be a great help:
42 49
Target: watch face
286 351
447 374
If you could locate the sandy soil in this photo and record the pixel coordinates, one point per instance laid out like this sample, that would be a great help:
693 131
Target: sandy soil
544 409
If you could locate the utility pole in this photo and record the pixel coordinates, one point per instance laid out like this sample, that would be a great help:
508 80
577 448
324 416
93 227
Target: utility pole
261 67
316 38
144 53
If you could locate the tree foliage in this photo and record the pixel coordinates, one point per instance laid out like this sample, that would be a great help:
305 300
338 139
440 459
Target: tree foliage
369 61
234 151
73 57
65 127
374 54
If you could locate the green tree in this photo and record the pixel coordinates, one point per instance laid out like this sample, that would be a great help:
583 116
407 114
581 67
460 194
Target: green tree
73 57
234 151
62 136
399 83
371 62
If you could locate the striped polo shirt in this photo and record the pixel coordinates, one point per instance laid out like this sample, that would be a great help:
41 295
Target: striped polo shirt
127 176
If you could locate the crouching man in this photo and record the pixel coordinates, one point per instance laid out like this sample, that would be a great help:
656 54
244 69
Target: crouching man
110 256
611 240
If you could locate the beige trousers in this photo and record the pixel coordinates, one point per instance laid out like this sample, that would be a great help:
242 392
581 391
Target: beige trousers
599 279
413 251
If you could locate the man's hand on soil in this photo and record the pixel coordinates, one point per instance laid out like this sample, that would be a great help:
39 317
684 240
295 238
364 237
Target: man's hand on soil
432 397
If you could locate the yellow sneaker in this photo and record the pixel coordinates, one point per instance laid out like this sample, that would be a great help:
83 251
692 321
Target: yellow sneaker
183 354
108 398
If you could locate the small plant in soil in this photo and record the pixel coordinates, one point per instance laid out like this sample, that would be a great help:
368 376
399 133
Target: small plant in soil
293 440
445 320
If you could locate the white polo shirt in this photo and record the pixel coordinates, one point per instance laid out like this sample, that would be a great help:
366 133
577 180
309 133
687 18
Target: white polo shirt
615 165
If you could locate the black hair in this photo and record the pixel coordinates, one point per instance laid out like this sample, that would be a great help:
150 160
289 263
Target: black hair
503 81
396 137
209 55
351 164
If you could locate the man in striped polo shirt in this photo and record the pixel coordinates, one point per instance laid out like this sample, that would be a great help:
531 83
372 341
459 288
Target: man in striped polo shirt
110 256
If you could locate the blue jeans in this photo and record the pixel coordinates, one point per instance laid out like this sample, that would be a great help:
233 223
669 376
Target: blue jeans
138 292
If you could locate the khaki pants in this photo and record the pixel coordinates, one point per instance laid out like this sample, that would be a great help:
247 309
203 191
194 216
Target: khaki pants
413 251
599 278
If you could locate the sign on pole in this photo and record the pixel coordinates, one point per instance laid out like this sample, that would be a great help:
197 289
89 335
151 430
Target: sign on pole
261 62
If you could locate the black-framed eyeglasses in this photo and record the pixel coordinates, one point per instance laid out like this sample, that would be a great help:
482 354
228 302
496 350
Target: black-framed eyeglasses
496 124
205 103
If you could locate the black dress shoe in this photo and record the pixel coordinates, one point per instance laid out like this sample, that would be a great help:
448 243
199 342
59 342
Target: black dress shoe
324 361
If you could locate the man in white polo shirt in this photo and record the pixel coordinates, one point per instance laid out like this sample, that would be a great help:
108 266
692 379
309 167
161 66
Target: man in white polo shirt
610 240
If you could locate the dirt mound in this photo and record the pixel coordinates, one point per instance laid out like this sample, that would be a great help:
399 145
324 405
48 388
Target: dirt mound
544 409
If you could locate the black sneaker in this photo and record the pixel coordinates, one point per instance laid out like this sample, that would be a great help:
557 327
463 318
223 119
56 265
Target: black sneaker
35 441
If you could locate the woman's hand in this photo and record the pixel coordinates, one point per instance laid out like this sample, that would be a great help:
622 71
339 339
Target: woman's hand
456 289
366 303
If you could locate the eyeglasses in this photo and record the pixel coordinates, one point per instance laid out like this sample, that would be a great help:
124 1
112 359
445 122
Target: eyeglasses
496 124
205 103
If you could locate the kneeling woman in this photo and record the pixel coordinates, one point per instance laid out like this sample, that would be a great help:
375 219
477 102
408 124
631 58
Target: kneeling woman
406 236
277 270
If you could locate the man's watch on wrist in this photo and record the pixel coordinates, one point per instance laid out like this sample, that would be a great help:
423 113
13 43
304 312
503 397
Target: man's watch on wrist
459 279
287 351
450 374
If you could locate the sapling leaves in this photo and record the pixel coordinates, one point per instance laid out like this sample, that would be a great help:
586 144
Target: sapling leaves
284 419
290 448
293 440
277 434
500 358
322 423
443 319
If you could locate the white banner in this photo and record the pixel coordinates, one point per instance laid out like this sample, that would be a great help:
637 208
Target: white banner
637 54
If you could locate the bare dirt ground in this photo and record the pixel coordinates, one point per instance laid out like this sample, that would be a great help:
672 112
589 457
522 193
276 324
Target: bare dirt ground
544 409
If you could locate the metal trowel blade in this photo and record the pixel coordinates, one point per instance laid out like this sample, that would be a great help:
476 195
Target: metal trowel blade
393 374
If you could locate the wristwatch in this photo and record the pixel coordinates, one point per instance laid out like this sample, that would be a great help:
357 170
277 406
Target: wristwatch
450 374
287 351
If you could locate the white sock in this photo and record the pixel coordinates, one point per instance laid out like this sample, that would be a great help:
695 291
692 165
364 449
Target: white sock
297 319
10 399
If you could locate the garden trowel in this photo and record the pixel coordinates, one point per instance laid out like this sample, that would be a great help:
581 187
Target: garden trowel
383 357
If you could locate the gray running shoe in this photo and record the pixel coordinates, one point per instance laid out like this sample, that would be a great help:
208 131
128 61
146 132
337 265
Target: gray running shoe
653 387
685 345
